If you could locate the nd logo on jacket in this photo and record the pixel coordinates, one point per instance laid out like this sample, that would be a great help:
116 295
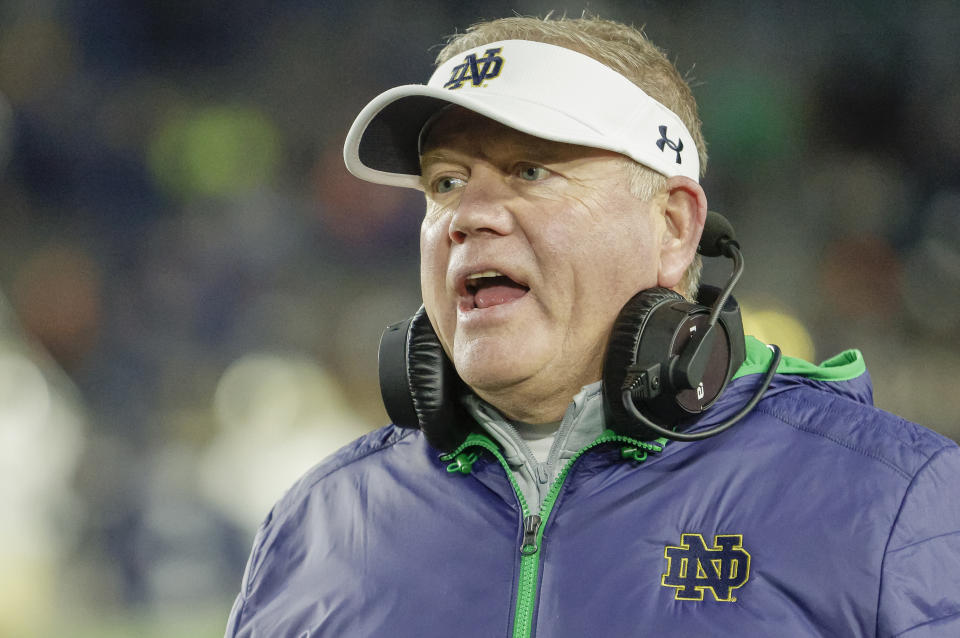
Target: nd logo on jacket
693 568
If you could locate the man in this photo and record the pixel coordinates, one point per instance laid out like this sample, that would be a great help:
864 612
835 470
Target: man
560 162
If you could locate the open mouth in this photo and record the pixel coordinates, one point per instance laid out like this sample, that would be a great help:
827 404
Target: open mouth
493 288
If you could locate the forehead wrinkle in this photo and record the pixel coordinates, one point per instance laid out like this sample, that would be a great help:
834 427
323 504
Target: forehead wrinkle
482 147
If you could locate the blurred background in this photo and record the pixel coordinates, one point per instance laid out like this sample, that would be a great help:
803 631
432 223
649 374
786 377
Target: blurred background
192 287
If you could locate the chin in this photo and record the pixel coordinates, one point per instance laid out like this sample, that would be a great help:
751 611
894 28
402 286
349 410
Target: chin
489 378
488 370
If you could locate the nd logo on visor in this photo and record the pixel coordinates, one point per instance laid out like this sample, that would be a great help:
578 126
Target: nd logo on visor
475 69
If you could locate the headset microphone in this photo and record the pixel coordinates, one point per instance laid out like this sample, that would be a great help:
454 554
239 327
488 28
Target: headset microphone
685 370
717 234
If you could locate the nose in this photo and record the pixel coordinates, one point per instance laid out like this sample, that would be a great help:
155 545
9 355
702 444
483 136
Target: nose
483 209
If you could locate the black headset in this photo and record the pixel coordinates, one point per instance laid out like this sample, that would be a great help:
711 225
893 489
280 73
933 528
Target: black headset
667 359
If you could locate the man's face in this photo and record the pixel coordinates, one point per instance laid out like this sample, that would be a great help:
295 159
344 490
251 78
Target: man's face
529 249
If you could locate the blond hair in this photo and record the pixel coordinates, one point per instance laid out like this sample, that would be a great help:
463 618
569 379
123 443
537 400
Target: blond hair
627 51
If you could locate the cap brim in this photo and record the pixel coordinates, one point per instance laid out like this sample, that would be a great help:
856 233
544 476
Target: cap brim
382 146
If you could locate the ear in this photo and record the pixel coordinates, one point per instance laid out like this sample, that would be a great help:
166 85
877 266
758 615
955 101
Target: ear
684 213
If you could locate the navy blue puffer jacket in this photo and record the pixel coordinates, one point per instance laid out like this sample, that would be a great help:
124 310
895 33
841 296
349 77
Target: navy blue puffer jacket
818 515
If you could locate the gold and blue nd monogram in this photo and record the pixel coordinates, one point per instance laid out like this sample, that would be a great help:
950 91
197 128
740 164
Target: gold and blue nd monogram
476 70
693 567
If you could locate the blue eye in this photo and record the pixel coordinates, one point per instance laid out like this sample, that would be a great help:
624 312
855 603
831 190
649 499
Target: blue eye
446 184
533 173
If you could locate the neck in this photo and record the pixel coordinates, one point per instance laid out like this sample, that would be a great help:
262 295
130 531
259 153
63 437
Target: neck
539 399
533 410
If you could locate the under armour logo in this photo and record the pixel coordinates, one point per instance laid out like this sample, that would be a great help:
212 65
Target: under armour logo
694 568
664 141
476 69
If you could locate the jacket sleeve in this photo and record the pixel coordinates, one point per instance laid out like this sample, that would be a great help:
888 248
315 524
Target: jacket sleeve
234 623
920 581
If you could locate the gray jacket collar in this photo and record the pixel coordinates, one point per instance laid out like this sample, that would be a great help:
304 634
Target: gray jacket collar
582 423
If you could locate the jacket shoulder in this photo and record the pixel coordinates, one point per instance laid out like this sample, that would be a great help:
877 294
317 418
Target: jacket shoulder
900 445
350 457
289 509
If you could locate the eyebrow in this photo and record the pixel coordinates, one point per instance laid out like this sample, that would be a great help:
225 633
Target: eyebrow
434 156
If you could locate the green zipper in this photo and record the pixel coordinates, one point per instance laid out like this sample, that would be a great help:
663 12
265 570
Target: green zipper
533 524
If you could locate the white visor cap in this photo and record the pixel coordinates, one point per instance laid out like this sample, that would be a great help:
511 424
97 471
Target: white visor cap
541 89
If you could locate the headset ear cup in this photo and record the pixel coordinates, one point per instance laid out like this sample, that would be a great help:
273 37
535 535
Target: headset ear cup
622 353
424 393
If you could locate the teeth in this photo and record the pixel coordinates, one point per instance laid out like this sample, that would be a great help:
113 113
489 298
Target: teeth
485 273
